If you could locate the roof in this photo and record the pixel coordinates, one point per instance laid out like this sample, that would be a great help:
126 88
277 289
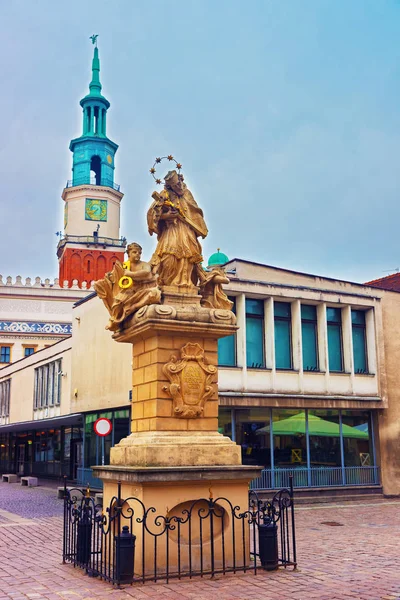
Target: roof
390 282
355 283
218 258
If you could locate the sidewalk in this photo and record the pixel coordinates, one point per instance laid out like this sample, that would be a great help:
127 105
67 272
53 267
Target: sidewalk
357 559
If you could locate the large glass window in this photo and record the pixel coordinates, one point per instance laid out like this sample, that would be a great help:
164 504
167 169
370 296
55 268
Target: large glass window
227 347
289 429
255 333
47 385
357 441
253 435
334 322
324 432
225 421
93 443
359 341
309 337
283 337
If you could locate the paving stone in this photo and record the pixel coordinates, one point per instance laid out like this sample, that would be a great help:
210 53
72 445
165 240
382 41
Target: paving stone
357 561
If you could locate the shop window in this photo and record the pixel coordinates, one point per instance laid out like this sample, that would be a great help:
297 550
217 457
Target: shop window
309 337
255 357
47 385
120 420
29 350
253 435
324 433
225 421
5 354
359 341
227 347
357 442
334 323
283 338
5 398
289 428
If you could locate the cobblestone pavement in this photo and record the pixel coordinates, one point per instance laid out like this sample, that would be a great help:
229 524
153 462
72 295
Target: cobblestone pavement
358 560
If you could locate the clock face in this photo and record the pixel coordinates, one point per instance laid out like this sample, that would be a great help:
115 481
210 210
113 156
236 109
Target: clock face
109 159
95 210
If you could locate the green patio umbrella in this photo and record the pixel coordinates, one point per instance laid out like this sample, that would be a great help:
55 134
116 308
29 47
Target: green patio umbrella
316 426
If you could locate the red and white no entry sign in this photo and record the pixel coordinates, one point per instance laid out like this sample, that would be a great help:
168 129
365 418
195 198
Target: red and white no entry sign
102 427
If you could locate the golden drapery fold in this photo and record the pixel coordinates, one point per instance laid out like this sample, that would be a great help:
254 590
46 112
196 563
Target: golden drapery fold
178 249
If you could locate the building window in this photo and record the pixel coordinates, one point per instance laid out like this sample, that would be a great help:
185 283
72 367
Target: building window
28 351
309 337
255 333
334 321
227 347
5 354
283 338
47 385
359 341
5 398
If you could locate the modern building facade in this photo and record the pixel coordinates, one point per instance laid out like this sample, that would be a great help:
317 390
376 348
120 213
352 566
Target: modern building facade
308 384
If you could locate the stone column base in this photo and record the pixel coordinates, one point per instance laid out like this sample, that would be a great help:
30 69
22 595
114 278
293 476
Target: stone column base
178 448
201 542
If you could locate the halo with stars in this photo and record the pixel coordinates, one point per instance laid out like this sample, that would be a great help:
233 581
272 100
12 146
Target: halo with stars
158 160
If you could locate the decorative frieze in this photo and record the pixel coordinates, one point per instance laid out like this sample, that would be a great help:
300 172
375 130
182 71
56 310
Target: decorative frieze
34 327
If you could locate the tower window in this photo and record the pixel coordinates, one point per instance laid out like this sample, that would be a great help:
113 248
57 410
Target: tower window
88 266
95 170
96 120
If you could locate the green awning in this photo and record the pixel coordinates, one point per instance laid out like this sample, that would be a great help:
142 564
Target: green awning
296 425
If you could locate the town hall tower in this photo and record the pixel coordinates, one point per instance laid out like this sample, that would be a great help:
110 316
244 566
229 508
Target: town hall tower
91 242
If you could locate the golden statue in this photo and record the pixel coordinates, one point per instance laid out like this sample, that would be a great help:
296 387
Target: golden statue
213 296
177 220
128 287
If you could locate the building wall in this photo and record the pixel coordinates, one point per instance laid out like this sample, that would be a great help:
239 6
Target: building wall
101 368
85 264
299 387
389 419
76 219
34 314
22 375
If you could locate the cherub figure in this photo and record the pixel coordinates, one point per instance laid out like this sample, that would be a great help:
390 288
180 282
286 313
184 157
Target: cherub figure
213 296
128 287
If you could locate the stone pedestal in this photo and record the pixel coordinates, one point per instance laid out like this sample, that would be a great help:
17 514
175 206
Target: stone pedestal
161 436
174 454
171 491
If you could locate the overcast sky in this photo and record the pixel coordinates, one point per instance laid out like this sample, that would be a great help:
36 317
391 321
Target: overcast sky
284 114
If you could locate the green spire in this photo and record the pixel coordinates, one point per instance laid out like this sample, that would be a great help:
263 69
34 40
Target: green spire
95 85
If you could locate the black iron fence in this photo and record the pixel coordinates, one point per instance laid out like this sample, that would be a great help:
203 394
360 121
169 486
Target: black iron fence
128 542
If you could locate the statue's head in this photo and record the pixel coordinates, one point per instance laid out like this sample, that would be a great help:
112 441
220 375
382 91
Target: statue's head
134 251
174 181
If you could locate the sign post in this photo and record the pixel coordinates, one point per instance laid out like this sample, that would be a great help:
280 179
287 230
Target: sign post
102 427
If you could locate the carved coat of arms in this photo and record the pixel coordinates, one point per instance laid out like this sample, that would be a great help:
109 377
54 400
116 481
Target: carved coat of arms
190 381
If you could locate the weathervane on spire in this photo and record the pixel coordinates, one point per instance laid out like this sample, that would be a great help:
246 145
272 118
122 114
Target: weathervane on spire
94 38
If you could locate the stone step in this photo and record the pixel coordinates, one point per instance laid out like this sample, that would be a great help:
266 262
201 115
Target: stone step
331 494
337 499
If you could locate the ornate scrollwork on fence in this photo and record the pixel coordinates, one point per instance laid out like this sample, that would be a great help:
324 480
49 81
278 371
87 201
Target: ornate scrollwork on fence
130 542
